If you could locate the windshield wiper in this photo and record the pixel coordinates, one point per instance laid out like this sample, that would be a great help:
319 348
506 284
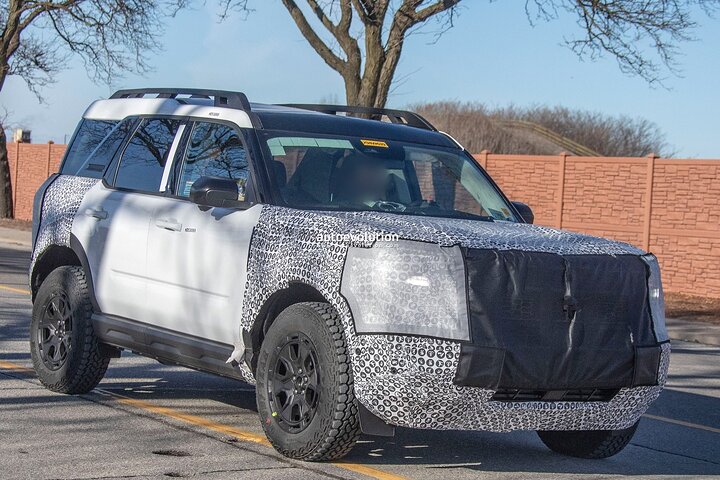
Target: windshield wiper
473 216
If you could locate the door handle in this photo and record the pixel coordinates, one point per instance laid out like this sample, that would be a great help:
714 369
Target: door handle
168 224
99 213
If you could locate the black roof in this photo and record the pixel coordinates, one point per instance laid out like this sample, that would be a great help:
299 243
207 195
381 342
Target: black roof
309 118
311 122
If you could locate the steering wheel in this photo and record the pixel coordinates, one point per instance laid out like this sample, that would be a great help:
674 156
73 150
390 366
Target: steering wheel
388 206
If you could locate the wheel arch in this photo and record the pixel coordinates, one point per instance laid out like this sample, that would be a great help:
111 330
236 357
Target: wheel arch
295 292
55 256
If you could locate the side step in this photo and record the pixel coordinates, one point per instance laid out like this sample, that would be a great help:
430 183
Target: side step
166 346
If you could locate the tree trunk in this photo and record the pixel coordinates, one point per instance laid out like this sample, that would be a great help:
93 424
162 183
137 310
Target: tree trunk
6 203
373 91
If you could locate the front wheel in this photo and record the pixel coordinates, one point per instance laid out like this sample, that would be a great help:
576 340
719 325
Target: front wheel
305 394
66 354
588 443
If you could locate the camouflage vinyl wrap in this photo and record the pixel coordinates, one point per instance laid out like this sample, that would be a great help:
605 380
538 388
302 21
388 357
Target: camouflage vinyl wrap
408 380
59 207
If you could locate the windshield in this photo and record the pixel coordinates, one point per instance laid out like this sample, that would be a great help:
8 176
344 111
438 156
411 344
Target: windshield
349 173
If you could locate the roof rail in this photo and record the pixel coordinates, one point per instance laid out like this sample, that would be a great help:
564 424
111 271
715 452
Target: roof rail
221 98
401 117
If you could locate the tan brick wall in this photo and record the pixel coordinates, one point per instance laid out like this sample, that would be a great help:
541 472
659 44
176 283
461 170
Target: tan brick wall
30 165
600 196
685 219
529 179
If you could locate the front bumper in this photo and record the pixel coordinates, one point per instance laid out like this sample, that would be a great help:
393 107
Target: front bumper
468 323
408 382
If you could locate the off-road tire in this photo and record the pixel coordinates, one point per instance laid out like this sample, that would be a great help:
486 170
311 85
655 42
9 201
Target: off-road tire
335 426
592 444
85 364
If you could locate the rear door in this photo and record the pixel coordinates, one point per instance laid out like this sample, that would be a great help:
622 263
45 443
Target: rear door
197 256
113 219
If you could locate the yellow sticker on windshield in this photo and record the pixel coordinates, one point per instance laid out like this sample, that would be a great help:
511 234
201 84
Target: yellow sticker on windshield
374 143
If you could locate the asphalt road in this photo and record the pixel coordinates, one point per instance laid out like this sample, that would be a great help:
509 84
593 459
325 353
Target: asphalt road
147 420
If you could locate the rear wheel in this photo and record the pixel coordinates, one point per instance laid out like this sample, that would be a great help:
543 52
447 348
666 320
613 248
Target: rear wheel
66 354
305 392
588 443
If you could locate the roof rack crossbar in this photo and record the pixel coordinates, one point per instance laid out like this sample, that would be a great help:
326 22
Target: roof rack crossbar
221 98
402 117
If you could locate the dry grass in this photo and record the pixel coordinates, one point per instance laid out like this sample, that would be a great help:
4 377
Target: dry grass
691 307
16 224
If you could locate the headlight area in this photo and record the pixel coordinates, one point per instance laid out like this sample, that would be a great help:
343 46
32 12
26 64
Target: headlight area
656 298
407 287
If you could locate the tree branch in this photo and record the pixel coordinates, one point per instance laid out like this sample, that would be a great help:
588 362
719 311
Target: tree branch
335 62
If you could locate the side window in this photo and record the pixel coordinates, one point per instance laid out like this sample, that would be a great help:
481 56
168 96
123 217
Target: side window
97 163
143 161
90 135
214 150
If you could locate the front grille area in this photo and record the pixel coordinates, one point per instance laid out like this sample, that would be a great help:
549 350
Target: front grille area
542 322
577 395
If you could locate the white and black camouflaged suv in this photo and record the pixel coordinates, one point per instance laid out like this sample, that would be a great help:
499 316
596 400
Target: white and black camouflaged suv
364 273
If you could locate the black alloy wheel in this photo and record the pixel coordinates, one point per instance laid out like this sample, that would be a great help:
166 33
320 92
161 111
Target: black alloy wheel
54 332
66 354
305 391
294 387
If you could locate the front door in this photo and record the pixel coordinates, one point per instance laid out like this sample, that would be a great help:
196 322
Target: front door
197 256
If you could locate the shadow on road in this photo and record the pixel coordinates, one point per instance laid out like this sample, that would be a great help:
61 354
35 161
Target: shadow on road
481 451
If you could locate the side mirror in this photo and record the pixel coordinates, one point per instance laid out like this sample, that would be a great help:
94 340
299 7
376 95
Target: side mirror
215 192
524 210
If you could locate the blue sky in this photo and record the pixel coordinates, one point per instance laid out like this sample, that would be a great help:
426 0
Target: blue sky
492 55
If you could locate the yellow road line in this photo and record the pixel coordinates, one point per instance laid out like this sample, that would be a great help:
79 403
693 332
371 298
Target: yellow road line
15 367
14 290
682 423
214 426
192 419
238 433
369 471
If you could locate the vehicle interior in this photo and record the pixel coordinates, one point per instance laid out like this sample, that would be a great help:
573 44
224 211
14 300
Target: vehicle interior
362 174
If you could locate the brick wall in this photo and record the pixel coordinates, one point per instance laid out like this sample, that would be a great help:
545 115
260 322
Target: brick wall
670 207
30 165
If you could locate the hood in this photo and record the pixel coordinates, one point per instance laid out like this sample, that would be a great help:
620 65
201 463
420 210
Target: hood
361 226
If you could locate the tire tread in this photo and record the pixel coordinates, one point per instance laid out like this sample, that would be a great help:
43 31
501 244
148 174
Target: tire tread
343 429
591 444
92 364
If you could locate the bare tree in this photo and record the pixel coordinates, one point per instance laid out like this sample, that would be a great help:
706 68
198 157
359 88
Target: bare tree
511 130
643 36
38 37
472 125
385 25
609 135
362 40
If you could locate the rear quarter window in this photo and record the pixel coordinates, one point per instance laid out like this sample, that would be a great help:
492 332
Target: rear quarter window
94 146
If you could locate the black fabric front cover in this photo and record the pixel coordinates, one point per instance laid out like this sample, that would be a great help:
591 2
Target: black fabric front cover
546 321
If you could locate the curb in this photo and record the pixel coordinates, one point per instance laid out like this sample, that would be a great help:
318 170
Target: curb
696 332
15 238
15 243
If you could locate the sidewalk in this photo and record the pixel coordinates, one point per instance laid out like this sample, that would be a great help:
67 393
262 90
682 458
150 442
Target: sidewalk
698 332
